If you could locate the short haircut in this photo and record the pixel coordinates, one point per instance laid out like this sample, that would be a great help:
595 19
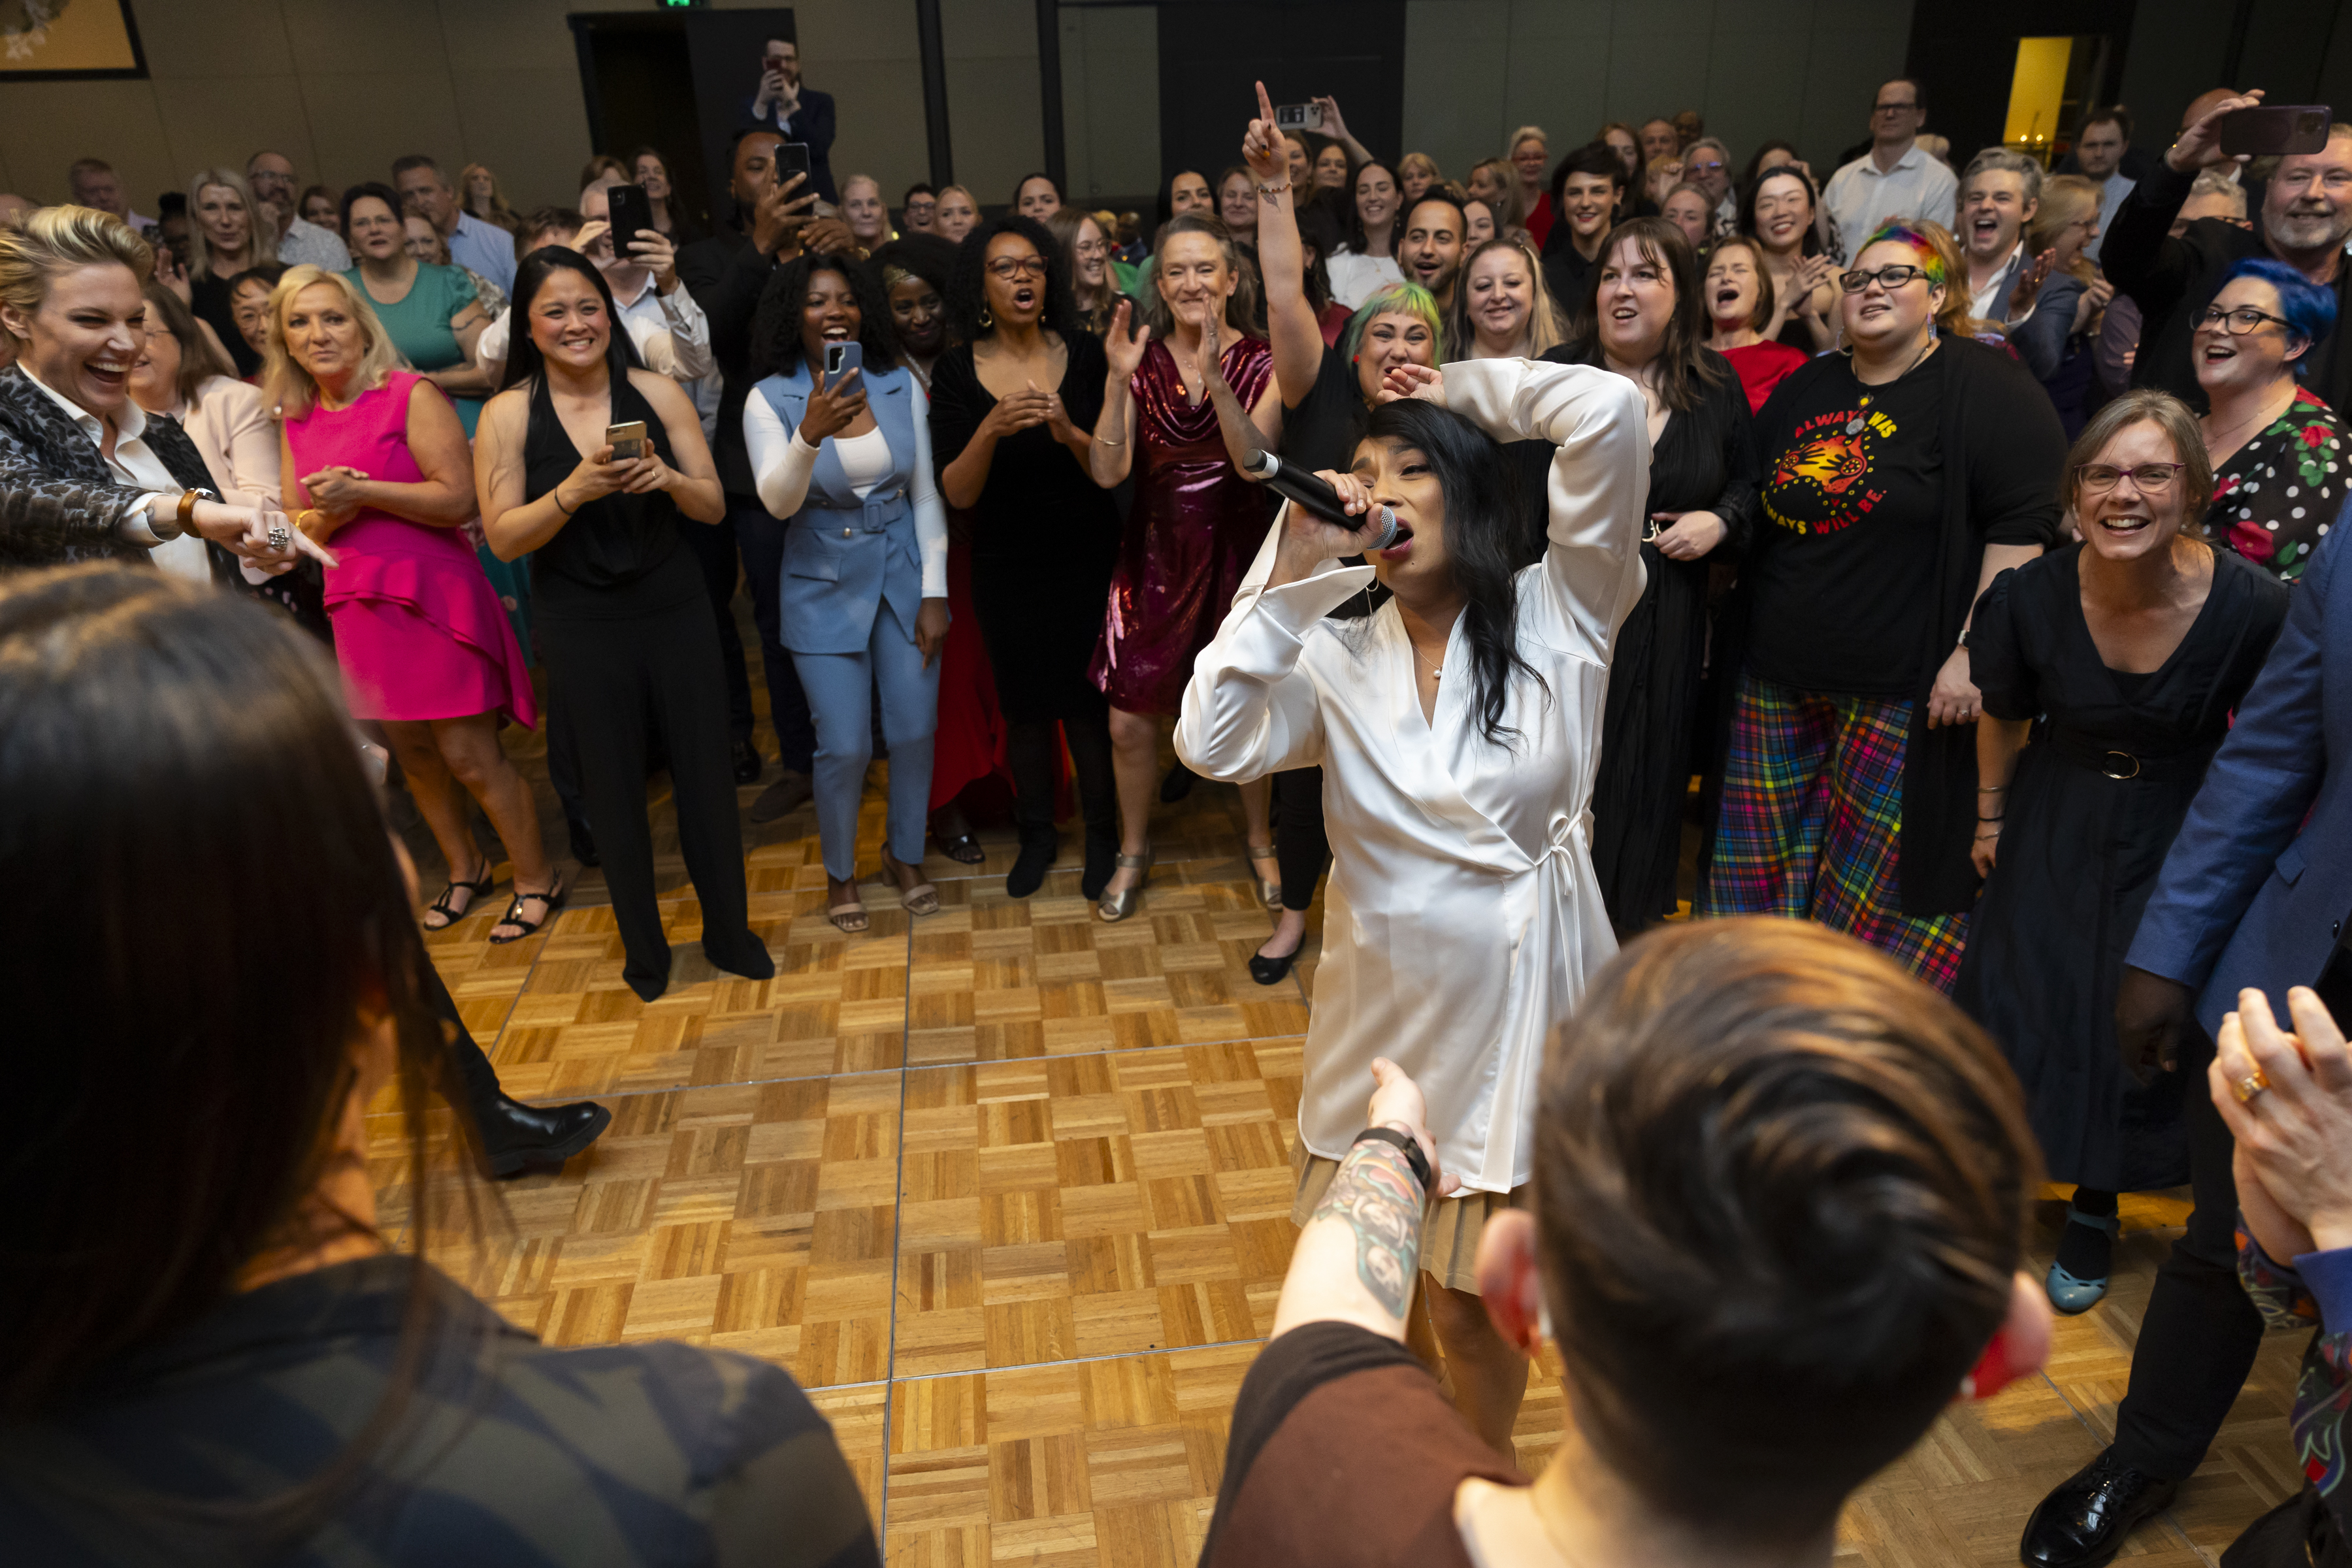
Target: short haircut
2113 114
1782 1191
2001 161
48 241
359 192
540 222
1527 133
919 188
254 158
80 166
2309 308
1666 120
418 161
1597 159
1919 90
1443 195
1697 142
2217 183
2167 413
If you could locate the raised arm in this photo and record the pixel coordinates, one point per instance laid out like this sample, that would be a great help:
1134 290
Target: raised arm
1291 329
1113 452
1599 486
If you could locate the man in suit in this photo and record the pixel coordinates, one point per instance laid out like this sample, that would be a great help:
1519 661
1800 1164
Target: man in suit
2252 894
727 272
794 113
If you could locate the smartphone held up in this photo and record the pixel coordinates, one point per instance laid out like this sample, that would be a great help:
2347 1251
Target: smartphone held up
2274 131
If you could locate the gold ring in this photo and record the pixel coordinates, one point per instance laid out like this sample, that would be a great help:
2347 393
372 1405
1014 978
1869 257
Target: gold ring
2253 1084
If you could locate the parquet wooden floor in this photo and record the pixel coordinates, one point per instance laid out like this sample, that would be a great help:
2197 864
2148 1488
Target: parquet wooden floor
1008 1191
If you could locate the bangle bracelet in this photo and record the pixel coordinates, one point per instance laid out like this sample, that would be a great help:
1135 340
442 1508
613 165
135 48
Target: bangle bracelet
1991 818
1110 440
1406 1146
1992 789
558 494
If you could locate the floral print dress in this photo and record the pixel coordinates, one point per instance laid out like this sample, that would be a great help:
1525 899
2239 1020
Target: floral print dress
2274 498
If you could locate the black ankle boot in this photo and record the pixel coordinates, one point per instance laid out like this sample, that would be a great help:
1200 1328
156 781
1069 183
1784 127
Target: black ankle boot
1038 848
516 1137
1102 860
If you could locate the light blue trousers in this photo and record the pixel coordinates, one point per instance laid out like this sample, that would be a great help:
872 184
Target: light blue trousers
840 688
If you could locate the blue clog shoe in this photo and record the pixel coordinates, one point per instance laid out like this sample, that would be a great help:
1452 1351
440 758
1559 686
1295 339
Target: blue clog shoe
2068 1294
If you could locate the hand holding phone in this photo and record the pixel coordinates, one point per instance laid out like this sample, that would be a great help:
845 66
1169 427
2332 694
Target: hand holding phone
839 395
627 441
843 361
631 210
2274 132
792 158
1298 117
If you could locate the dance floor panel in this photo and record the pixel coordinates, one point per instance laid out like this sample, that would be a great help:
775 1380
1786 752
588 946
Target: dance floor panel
1008 1191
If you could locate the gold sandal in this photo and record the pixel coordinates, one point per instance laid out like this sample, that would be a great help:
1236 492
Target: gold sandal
1269 893
1117 907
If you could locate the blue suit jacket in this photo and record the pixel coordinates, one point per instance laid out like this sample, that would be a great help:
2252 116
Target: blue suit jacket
2256 891
845 558
811 124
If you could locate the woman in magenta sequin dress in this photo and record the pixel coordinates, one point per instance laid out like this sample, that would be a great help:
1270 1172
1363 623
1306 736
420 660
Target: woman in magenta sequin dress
1196 523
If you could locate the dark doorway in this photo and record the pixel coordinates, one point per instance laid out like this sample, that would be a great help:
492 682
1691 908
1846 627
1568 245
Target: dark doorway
1966 57
1211 53
675 80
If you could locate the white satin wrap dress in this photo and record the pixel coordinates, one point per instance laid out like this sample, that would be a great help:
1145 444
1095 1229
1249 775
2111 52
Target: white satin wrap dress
1461 917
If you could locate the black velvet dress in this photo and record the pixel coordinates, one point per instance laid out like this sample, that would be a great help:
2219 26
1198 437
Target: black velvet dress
2080 849
1705 461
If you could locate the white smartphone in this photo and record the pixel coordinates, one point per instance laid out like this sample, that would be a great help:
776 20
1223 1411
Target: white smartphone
1298 117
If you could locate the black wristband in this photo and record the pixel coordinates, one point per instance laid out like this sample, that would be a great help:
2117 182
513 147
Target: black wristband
1412 1147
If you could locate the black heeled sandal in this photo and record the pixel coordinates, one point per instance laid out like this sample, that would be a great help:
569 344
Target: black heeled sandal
552 898
473 891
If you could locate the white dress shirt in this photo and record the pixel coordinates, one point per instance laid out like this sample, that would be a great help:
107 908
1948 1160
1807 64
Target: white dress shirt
1859 197
2111 192
670 332
782 464
1463 917
306 244
1990 303
1356 279
135 464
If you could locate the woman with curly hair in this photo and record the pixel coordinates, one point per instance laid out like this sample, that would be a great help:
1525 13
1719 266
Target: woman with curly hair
1012 407
846 459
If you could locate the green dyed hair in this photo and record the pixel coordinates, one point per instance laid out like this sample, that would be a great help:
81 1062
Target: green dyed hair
1395 299
1931 261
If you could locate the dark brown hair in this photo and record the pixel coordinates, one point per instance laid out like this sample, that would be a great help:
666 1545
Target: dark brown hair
1765 298
1685 372
1781 1188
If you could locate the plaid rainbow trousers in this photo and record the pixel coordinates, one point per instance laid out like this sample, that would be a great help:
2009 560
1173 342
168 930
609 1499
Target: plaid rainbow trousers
1811 824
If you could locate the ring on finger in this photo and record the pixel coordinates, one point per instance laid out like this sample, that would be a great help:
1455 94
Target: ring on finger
278 538
2253 1084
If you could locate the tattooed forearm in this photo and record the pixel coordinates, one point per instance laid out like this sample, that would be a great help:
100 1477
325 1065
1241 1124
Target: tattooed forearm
1377 1197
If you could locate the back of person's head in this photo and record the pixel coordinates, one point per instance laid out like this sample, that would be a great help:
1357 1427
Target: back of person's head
286 384
1593 160
2001 161
547 226
2309 308
1781 1193
967 297
776 347
2212 185
169 752
524 361
45 243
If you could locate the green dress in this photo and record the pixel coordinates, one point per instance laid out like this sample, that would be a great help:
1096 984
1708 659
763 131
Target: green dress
419 327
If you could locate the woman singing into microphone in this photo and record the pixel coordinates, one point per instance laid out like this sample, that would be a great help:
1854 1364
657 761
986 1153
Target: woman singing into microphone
1456 727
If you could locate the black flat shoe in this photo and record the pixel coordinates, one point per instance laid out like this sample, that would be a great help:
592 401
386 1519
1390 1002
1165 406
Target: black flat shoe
748 958
584 842
1273 971
1029 868
1177 784
518 1137
2083 1522
748 762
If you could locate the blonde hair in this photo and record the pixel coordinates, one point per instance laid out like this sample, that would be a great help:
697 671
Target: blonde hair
40 245
1510 206
2065 199
499 213
260 244
285 384
1527 133
1422 161
1546 329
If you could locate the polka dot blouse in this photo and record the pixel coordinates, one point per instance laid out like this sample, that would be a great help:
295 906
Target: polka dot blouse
2274 497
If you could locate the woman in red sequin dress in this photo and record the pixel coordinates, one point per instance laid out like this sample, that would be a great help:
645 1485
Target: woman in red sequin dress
1196 523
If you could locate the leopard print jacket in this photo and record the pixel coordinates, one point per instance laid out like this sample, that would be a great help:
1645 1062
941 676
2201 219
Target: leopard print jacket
59 499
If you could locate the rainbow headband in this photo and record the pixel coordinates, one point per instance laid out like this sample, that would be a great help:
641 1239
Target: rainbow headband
1931 261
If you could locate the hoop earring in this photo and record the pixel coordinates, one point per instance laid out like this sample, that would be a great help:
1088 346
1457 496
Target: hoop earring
986 320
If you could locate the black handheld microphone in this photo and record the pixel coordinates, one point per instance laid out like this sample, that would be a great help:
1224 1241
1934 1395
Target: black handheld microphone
1297 484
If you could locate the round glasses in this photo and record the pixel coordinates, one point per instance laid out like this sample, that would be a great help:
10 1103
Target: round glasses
2149 478
2241 322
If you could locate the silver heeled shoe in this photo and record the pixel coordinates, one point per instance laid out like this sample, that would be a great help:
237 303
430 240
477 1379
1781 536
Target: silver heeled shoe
1115 907
1269 893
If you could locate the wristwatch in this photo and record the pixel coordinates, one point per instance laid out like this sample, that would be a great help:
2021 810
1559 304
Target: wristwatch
1412 1147
183 519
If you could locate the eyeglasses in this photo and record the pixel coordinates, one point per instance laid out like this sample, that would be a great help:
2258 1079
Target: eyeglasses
1007 270
1892 108
2241 321
1889 277
1713 167
2150 478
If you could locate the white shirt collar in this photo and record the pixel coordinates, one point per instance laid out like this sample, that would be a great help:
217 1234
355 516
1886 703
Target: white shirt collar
130 425
1911 159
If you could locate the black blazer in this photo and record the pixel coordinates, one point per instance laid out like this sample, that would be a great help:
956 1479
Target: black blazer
59 499
726 274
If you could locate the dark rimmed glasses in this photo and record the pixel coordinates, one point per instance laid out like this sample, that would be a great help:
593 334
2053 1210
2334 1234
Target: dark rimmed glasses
1889 277
2240 322
2149 478
1004 270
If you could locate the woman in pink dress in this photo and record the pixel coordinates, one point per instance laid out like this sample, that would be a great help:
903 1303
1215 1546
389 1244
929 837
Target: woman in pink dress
1196 523
374 458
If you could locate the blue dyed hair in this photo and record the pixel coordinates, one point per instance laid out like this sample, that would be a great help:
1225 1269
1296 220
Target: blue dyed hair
2310 310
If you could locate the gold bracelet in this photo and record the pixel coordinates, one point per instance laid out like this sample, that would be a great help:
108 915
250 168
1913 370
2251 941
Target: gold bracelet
1111 440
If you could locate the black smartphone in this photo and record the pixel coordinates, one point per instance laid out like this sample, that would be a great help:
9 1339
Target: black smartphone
631 210
2268 132
792 158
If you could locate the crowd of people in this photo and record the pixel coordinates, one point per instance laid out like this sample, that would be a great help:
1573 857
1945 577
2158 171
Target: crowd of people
1960 529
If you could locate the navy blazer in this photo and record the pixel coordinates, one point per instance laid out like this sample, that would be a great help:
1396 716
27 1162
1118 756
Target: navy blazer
811 125
2254 890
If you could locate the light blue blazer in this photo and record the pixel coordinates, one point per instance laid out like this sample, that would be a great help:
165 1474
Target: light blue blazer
2255 889
845 558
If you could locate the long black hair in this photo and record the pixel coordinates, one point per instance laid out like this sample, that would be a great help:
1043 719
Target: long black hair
776 330
1483 529
1810 242
524 361
968 286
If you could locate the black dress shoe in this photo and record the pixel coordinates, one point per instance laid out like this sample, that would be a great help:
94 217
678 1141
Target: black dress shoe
1272 971
1102 862
584 841
1029 868
2082 1523
748 762
783 797
517 1137
1176 785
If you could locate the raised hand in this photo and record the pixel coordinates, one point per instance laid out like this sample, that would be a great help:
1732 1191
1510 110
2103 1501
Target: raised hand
2093 300
1262 145
2200 146
653 251
833 409
1125 353
1403 381
2029 280
779 211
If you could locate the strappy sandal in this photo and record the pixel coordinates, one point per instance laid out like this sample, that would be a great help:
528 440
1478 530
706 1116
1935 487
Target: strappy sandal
922 898
842 915
449 915
552 898
963 850
1269 893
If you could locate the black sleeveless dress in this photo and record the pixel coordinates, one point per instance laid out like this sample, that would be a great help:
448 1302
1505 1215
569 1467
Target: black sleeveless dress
632 661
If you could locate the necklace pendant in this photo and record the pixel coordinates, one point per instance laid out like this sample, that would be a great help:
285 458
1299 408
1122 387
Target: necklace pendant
1853 425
